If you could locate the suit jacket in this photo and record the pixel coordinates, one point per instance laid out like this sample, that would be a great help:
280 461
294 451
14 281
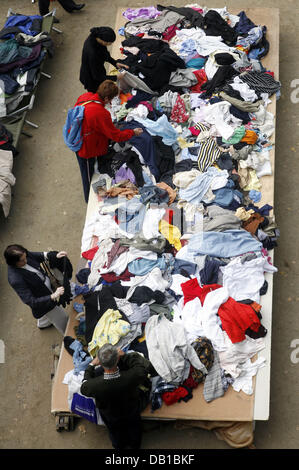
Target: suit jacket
30 287
119 399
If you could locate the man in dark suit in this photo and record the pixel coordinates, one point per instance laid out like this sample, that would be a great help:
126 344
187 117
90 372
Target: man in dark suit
33 286
121 392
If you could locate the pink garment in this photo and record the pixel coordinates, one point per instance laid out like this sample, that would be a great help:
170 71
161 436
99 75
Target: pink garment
148 105
200 10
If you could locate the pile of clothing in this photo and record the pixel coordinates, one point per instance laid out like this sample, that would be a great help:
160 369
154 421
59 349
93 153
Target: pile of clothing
177 249
7 178
23 48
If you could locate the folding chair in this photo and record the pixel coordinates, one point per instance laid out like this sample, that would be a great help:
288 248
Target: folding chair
15 121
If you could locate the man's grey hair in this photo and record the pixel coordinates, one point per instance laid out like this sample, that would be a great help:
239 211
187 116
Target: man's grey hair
108 356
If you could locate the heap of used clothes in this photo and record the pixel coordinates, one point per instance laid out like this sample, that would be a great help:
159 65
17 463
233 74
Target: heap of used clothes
7 178
23 48
178 246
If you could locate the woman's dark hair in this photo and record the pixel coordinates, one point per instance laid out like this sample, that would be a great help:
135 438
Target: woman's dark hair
108 89
13 253
103 32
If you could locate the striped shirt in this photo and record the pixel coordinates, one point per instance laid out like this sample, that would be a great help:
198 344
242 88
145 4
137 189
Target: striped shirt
261 82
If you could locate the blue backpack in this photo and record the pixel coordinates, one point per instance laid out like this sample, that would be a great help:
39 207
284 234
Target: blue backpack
72 130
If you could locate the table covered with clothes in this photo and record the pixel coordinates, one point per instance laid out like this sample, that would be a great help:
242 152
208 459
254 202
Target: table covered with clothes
177 248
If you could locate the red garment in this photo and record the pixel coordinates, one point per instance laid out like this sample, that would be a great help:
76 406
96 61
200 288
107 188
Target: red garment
190 382
201 79
98 128
178 113
170 32
192 289
235 317
168 216
194 131
89 254
173 397
112 277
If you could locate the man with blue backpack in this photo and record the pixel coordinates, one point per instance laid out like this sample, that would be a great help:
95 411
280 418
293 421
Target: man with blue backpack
89 128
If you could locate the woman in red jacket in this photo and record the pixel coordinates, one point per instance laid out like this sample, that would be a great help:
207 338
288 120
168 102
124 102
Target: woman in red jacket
98 129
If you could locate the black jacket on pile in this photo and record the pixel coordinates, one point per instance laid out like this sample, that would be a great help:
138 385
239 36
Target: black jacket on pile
92 71
156 61
65 267
212 23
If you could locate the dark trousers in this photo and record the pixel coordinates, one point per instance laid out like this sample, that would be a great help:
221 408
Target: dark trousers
43 5
87 170
125 432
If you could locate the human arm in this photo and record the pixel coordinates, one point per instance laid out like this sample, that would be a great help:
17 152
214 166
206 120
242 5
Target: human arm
39 256
119 65
90 385
59 291
137 367
94 63
105 126
39 305
110 59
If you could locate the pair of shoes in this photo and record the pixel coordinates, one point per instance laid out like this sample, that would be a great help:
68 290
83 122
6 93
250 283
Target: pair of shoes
79 6
56 20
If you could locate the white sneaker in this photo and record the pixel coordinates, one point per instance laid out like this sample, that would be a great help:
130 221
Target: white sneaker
43 322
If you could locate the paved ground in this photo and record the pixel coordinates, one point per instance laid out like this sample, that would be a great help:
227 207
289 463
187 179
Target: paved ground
48 212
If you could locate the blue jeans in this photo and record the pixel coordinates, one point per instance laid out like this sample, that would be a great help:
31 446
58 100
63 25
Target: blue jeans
131 215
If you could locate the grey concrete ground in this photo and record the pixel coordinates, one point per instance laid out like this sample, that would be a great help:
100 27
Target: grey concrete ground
48 212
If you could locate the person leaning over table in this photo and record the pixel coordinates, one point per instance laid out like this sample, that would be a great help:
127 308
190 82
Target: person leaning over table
98 129
121 389
94 56
33 286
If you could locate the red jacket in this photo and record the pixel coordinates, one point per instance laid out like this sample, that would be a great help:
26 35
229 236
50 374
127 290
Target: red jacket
98 128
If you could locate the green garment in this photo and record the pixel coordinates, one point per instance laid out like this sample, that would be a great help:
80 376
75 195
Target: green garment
10 51
237 136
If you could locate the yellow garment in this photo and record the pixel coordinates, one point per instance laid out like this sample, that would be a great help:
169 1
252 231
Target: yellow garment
171 233
109 329
183 143
249 179
243 214
114 71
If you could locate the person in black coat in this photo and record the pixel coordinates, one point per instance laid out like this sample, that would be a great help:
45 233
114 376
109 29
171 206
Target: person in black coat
94 56
121 389
33 286
68 5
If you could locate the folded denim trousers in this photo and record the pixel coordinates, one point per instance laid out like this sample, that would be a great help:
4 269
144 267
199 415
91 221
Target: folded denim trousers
131 215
